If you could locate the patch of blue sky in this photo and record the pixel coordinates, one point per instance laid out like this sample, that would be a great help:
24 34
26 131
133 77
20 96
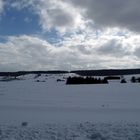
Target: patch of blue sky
3 39
23 22
18 22
52 36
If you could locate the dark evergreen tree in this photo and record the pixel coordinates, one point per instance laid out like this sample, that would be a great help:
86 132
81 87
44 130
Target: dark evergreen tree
133 79
123 81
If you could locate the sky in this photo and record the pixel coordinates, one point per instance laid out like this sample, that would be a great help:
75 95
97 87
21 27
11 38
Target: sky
69 34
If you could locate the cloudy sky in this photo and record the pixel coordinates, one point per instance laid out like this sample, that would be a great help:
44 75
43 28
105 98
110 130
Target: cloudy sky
69 34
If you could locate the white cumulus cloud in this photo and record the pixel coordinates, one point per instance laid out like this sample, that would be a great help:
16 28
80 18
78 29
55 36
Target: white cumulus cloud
33 53
94 34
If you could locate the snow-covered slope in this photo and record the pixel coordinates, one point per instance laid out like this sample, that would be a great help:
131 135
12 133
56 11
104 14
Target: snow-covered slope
45 99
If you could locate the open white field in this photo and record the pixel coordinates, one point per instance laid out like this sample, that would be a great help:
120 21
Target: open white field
113 107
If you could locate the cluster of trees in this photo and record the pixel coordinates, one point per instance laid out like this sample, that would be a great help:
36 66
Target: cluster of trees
135 80
87 80
123 81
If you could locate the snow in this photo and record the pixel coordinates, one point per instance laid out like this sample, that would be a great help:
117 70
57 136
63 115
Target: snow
77 131
54 110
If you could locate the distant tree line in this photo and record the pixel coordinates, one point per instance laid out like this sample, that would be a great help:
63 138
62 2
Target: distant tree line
105 72
19 73
86 80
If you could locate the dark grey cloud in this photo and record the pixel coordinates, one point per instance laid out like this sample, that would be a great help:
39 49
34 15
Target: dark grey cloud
112 13
137 52
84 49
60 17
113 48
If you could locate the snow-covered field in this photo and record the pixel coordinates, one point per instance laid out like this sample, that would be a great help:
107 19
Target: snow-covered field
56 111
